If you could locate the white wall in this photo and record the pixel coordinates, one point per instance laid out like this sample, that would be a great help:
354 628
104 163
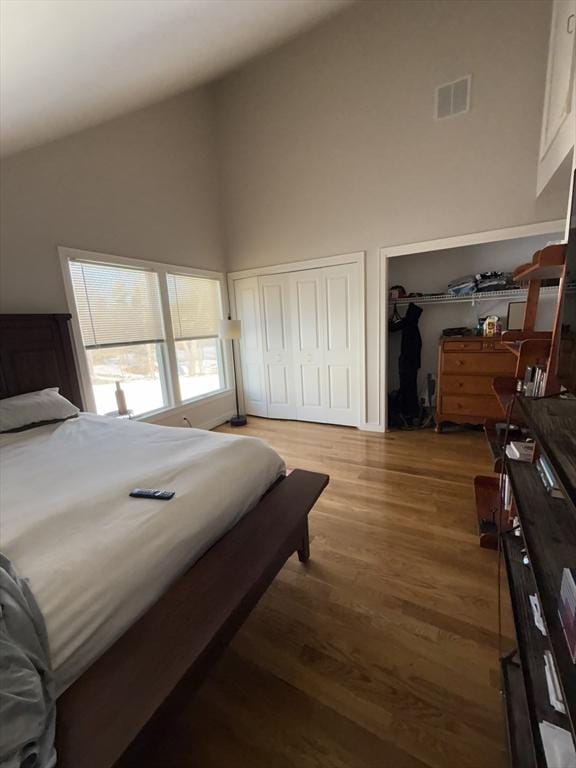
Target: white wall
325 146
142 186
431 273
328 145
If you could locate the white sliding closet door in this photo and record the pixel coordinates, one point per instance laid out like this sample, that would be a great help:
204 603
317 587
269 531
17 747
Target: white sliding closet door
342 349
301 336
307 300
325 317
247 293
277 346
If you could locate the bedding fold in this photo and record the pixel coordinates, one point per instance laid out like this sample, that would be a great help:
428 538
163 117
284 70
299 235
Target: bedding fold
27 690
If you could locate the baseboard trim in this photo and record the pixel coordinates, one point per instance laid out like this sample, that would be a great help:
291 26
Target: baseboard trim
216 421
371 427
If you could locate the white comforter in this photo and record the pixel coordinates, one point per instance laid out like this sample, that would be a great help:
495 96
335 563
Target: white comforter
95 558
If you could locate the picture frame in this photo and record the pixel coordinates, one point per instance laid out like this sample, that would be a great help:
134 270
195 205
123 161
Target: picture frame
516 312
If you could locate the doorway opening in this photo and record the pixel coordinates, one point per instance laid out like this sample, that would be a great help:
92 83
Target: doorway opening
457 283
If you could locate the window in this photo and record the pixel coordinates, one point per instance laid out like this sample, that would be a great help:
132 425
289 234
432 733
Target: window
122 311
196 312
138 369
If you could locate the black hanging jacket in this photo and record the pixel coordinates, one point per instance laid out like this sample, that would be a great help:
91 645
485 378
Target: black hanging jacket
409 362
411 344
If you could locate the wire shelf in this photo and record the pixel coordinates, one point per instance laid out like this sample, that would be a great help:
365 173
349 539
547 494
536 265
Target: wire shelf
448 298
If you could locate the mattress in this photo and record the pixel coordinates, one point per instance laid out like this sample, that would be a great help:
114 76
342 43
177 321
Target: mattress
97 559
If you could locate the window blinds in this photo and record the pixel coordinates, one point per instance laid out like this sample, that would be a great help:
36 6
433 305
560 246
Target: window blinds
116 305
194 305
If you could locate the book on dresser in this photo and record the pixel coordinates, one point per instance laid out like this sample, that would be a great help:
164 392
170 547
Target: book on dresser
548 479
520 451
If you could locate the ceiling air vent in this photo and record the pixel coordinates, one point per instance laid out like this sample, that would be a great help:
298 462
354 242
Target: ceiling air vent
453 98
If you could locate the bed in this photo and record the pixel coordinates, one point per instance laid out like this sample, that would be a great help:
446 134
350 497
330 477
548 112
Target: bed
139 597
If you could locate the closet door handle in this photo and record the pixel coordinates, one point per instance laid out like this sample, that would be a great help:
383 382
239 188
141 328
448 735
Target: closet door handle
569 25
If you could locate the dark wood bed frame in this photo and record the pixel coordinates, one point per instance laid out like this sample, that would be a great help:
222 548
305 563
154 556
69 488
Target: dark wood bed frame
167 652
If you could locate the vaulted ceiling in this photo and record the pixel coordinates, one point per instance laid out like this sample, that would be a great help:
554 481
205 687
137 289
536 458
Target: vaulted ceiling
69 64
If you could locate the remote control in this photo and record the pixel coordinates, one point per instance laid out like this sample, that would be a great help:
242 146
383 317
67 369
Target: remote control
150 493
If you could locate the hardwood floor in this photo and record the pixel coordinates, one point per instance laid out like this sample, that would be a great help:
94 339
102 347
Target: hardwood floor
383 649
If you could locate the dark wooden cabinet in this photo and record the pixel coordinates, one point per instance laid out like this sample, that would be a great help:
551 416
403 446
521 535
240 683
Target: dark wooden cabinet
535 553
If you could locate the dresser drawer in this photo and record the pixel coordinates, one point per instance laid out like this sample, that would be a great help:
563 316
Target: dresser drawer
473 345
494 346
478 344
494 363
485 406
466 385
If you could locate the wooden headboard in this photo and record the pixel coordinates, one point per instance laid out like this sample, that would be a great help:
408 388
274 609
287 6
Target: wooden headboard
35 353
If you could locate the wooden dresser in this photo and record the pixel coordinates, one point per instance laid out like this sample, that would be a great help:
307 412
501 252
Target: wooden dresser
466 367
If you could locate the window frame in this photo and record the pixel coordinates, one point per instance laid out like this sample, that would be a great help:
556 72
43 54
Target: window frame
175 401
220 346
220 357
160 351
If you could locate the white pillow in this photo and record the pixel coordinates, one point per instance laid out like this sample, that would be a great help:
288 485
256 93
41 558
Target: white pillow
33 409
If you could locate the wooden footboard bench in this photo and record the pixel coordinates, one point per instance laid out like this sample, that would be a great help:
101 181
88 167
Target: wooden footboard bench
168 652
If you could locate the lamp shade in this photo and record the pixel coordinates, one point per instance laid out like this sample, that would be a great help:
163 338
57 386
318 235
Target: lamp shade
230 329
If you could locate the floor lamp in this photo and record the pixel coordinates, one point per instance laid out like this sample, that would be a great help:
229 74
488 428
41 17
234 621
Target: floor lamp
230 330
